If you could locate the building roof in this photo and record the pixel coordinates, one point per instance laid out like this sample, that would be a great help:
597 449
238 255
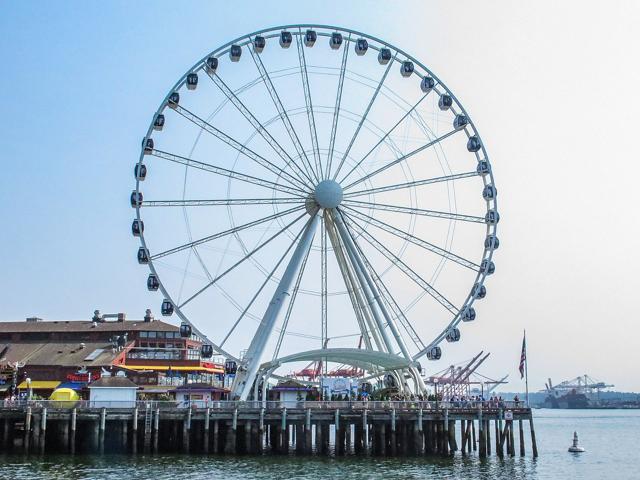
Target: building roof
113 382
156 388
290 385
86 326
198 387
65 354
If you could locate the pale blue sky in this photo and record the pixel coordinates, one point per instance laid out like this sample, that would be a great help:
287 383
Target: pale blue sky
553 90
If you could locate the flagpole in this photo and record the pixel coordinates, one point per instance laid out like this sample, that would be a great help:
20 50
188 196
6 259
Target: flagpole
526 369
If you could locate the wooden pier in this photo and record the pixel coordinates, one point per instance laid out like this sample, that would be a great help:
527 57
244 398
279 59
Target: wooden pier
322 428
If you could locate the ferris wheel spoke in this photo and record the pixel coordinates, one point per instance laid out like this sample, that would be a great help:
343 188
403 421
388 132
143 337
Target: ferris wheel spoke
384 137
336 108
414 211
309 104
415 240
401 159
255 123
236 145
242 260
226 201
294 295
230 231
266 79
207 167
416 183
264 284
403 267
393 304
364 117
323 283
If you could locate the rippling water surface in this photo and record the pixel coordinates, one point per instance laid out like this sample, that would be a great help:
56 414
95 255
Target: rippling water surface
610 437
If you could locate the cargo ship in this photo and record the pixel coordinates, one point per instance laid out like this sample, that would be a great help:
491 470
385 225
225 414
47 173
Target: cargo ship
579 392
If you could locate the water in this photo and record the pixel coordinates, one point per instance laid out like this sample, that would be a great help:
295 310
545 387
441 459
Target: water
609 436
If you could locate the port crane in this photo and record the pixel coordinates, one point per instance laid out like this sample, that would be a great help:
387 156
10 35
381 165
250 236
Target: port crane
458 380
581 384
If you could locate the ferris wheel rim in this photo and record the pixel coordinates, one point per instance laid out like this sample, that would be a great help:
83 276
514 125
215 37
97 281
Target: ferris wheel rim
491 229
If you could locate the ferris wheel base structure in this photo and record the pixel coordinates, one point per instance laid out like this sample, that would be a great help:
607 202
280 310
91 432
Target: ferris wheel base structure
246 379
346 143
246 374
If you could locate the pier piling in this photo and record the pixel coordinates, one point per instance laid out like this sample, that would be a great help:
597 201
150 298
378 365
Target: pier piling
216 434
487 432
72 439
43 430
5 434
534 445
308 431
512 445
27 430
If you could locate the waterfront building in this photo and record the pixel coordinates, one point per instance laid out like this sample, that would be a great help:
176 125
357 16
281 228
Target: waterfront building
290 391
198 394
113 392
38 356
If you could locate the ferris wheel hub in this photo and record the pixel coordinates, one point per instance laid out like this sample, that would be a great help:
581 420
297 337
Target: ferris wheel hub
328 194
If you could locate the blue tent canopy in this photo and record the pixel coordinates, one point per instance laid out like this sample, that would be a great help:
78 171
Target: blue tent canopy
73 385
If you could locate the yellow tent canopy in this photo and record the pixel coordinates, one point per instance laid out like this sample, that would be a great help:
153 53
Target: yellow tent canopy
64 394
39 384
180 368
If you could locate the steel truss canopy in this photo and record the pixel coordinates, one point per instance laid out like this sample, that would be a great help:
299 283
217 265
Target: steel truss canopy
369 360
298 194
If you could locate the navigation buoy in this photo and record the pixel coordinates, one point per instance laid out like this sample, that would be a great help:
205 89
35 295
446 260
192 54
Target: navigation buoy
575 448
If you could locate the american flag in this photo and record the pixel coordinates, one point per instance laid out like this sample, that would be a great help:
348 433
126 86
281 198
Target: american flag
523 355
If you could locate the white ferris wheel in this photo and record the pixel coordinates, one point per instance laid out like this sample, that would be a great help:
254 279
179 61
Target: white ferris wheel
313 193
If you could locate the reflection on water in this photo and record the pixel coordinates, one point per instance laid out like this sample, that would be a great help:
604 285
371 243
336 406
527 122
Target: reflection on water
608 435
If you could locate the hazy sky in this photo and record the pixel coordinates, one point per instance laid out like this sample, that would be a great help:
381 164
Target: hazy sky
552 87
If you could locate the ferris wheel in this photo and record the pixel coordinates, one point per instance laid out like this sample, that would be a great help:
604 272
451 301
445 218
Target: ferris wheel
315 193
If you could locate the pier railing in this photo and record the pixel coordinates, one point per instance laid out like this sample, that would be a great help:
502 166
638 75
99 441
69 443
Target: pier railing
230 405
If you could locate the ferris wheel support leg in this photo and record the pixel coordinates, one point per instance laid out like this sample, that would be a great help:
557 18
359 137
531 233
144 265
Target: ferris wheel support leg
256 385
365 322
265 380
373 296
361 275
281 297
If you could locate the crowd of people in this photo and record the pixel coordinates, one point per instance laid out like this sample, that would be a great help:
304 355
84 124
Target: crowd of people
458 401
470 400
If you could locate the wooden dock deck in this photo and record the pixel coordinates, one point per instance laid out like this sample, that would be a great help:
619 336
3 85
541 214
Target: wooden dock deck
388 428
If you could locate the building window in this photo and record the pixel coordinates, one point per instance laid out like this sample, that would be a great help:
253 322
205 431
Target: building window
144 334
152 334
